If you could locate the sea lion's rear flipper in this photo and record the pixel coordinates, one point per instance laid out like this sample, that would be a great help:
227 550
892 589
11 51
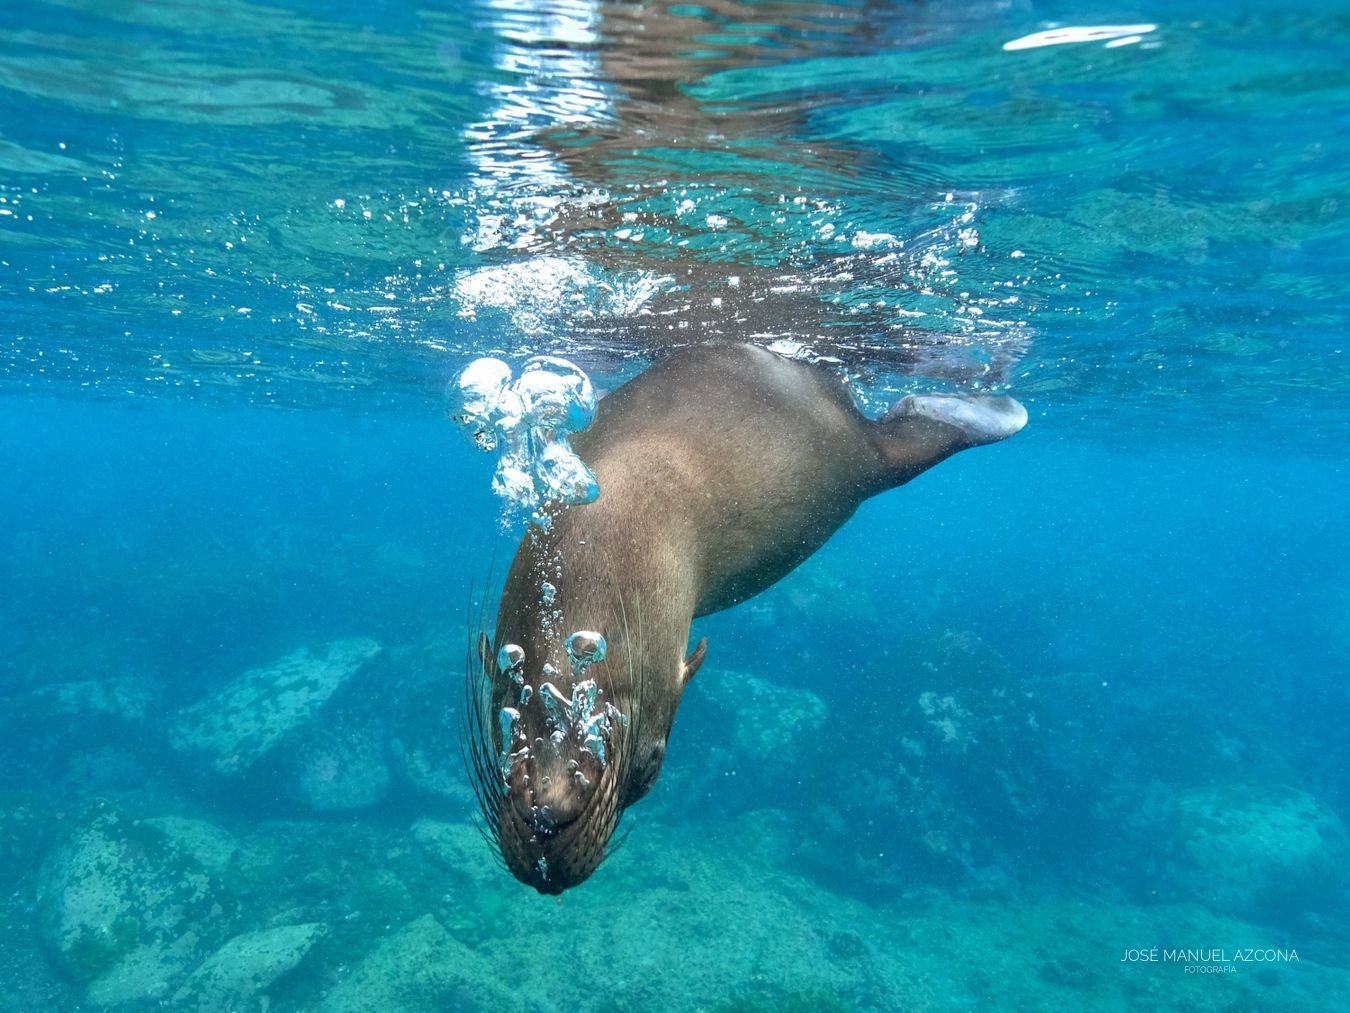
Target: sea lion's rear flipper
924 429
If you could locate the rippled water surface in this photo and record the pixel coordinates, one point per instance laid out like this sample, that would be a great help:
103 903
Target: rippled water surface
1082 692
296 201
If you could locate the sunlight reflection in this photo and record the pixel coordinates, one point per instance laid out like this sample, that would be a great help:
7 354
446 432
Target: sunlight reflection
1113 35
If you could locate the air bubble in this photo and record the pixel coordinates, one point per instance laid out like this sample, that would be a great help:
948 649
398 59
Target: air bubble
585 648
510 659
581 718
531 418
507 720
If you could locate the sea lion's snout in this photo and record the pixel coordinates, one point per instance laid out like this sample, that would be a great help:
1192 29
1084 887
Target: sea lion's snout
557 802
555 752
554 839
559 809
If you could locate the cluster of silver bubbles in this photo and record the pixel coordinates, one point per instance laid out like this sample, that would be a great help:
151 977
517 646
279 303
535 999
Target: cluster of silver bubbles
529 418
580 717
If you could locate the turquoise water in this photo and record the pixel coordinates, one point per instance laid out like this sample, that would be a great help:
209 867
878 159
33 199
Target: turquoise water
1057 703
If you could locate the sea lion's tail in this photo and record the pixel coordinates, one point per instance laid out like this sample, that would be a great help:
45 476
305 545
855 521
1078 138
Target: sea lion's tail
921 430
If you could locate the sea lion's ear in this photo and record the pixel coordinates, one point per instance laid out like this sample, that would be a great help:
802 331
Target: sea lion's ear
485 652
695 659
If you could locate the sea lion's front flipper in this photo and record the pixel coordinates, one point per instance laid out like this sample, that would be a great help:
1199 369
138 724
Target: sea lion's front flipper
695 659
924 429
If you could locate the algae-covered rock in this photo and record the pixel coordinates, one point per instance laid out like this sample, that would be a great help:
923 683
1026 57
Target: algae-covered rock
339 769
420 967
771 718
950 774
764 718
246 966
970 773
146 973
121 701
424 743
89 732
459 848
1255 851
127 904
431 771
204 842
265 707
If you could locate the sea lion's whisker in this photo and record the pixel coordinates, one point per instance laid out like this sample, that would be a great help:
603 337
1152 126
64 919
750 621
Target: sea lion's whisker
626 821
476 747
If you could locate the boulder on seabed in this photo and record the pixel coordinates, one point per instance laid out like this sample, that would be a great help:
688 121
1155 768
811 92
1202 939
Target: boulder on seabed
1252 851
931 768
76 705
246 966
424 735
92 731
763 719
460 849
420 967
127 905
247 720
338 769
756 738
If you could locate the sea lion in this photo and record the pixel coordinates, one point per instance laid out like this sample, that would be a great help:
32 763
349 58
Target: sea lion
720 469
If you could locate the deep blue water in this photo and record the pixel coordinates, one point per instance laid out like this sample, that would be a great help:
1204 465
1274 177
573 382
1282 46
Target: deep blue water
243 249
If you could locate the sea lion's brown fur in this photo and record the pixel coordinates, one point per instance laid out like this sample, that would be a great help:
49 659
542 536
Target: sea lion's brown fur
721 468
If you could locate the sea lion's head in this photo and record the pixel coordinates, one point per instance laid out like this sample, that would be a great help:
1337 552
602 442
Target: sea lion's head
561 744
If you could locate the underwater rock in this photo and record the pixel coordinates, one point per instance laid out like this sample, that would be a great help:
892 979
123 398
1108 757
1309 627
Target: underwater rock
336 770
113 768
246 720
1254 851
432 771
420 967
25 825
245 966
971 741
764 719
957 780
126 905
52 732
771 717
121 701
424 746
459 849
747 728
203 842
814 613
